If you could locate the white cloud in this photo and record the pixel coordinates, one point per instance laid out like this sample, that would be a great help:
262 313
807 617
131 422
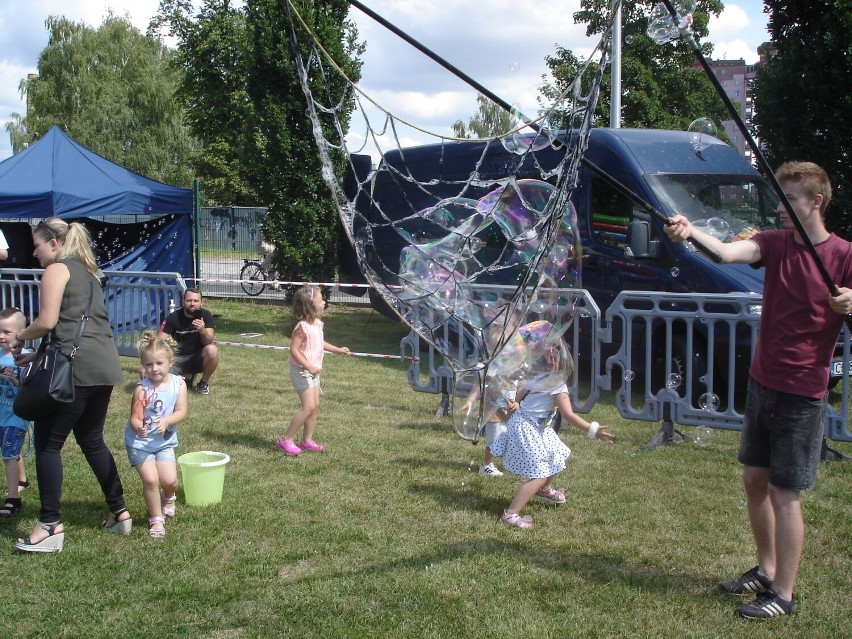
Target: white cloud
735 50
23 36
733 19
738 31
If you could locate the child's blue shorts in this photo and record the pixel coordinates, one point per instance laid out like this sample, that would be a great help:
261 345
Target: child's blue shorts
137 456
13 441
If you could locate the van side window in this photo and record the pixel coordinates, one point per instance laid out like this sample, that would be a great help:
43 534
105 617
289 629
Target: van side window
611 212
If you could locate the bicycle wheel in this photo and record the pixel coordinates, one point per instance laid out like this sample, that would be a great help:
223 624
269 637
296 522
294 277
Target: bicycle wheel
252 278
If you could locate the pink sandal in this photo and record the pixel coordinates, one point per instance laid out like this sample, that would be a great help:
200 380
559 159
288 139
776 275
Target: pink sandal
160 531
514 519
168 505
310 444
288 446
551 495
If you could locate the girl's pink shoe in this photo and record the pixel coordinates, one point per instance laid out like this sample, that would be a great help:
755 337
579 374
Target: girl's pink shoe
288 447
310 444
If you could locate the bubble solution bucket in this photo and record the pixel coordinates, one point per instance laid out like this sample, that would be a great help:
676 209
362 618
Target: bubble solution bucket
203 476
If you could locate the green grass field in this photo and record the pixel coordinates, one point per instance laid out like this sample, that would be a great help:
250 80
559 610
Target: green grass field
391 533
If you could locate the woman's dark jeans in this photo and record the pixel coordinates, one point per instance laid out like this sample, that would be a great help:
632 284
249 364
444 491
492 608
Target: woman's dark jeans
85 417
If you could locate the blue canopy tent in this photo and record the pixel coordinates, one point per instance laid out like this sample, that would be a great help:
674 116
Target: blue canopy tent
137 224
58 177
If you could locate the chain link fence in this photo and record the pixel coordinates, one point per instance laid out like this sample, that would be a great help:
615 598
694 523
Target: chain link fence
233 264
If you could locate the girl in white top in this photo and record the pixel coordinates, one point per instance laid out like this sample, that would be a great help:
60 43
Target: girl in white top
159 404
532 449
306 355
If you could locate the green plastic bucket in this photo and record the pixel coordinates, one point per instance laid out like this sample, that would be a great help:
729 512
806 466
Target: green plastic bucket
203 476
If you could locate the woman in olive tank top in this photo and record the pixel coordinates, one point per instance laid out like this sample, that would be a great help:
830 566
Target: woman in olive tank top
68 283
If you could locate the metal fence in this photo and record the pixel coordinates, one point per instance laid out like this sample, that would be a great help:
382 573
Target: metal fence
675 358
670 358
135 301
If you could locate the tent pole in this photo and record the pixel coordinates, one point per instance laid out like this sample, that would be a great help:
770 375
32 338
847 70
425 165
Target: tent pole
196 215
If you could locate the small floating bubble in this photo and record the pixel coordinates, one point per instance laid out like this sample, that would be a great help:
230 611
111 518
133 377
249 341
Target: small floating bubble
702 436
673 382
709 402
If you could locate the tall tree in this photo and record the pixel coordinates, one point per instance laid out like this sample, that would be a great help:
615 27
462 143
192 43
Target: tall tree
112 89
281 156
16 128
211 52
661 89
803 95
490 120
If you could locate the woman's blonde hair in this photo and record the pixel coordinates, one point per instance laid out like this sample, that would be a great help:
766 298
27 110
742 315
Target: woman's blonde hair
151 342
74 240
303 304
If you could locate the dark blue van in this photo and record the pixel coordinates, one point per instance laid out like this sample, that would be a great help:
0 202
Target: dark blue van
624 247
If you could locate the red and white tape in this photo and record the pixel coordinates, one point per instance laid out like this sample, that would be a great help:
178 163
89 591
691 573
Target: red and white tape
269 347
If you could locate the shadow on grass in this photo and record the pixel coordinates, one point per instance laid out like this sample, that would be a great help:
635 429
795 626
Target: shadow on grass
448 464
443 426
464 497
599 568
235 438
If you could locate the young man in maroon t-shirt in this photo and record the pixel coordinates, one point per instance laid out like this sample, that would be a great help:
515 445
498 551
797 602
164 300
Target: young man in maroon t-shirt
783 422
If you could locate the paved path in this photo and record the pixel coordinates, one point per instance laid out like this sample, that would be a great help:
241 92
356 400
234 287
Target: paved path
215 270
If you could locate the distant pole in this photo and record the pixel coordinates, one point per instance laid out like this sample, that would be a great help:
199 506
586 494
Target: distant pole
196 215
615 68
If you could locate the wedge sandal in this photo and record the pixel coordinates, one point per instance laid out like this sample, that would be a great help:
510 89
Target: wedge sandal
119 527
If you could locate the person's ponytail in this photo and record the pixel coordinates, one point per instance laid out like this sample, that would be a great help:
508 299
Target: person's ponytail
78 243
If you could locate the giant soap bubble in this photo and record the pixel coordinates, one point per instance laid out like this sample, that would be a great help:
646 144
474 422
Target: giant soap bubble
489 283
475 247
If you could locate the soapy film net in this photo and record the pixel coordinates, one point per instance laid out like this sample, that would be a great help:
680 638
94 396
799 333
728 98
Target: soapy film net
474 244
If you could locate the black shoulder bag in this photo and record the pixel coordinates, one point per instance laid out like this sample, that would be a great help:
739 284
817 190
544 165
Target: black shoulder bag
48 381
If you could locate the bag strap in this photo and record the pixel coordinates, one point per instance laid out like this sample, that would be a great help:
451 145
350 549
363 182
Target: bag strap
83 321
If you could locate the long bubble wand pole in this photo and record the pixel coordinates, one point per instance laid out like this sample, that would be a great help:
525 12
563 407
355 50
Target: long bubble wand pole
624 190
686 34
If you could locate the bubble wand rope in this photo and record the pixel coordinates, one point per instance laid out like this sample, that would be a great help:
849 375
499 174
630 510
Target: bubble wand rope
768 173
533 124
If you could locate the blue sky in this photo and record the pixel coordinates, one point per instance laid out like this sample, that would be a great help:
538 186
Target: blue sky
503 48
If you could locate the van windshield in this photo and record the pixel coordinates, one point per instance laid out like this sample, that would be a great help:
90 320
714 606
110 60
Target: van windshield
729 207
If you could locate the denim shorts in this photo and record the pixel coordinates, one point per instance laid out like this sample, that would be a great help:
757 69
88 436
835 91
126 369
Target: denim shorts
783 432
13 441
137 455
302 379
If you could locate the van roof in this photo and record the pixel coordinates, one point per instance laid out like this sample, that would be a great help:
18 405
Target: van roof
663 151
641 151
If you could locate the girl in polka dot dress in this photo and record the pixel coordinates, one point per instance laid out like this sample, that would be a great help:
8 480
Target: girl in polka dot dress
532 449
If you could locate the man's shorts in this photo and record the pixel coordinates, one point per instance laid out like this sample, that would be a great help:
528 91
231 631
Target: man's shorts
187 365
137 456
13 441
302 379
782 432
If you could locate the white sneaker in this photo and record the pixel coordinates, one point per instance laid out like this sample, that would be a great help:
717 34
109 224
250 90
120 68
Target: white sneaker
490 470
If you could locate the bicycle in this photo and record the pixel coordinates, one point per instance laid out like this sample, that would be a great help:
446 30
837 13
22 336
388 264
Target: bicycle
254 277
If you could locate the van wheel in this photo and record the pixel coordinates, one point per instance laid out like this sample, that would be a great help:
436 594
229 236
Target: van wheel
679 359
